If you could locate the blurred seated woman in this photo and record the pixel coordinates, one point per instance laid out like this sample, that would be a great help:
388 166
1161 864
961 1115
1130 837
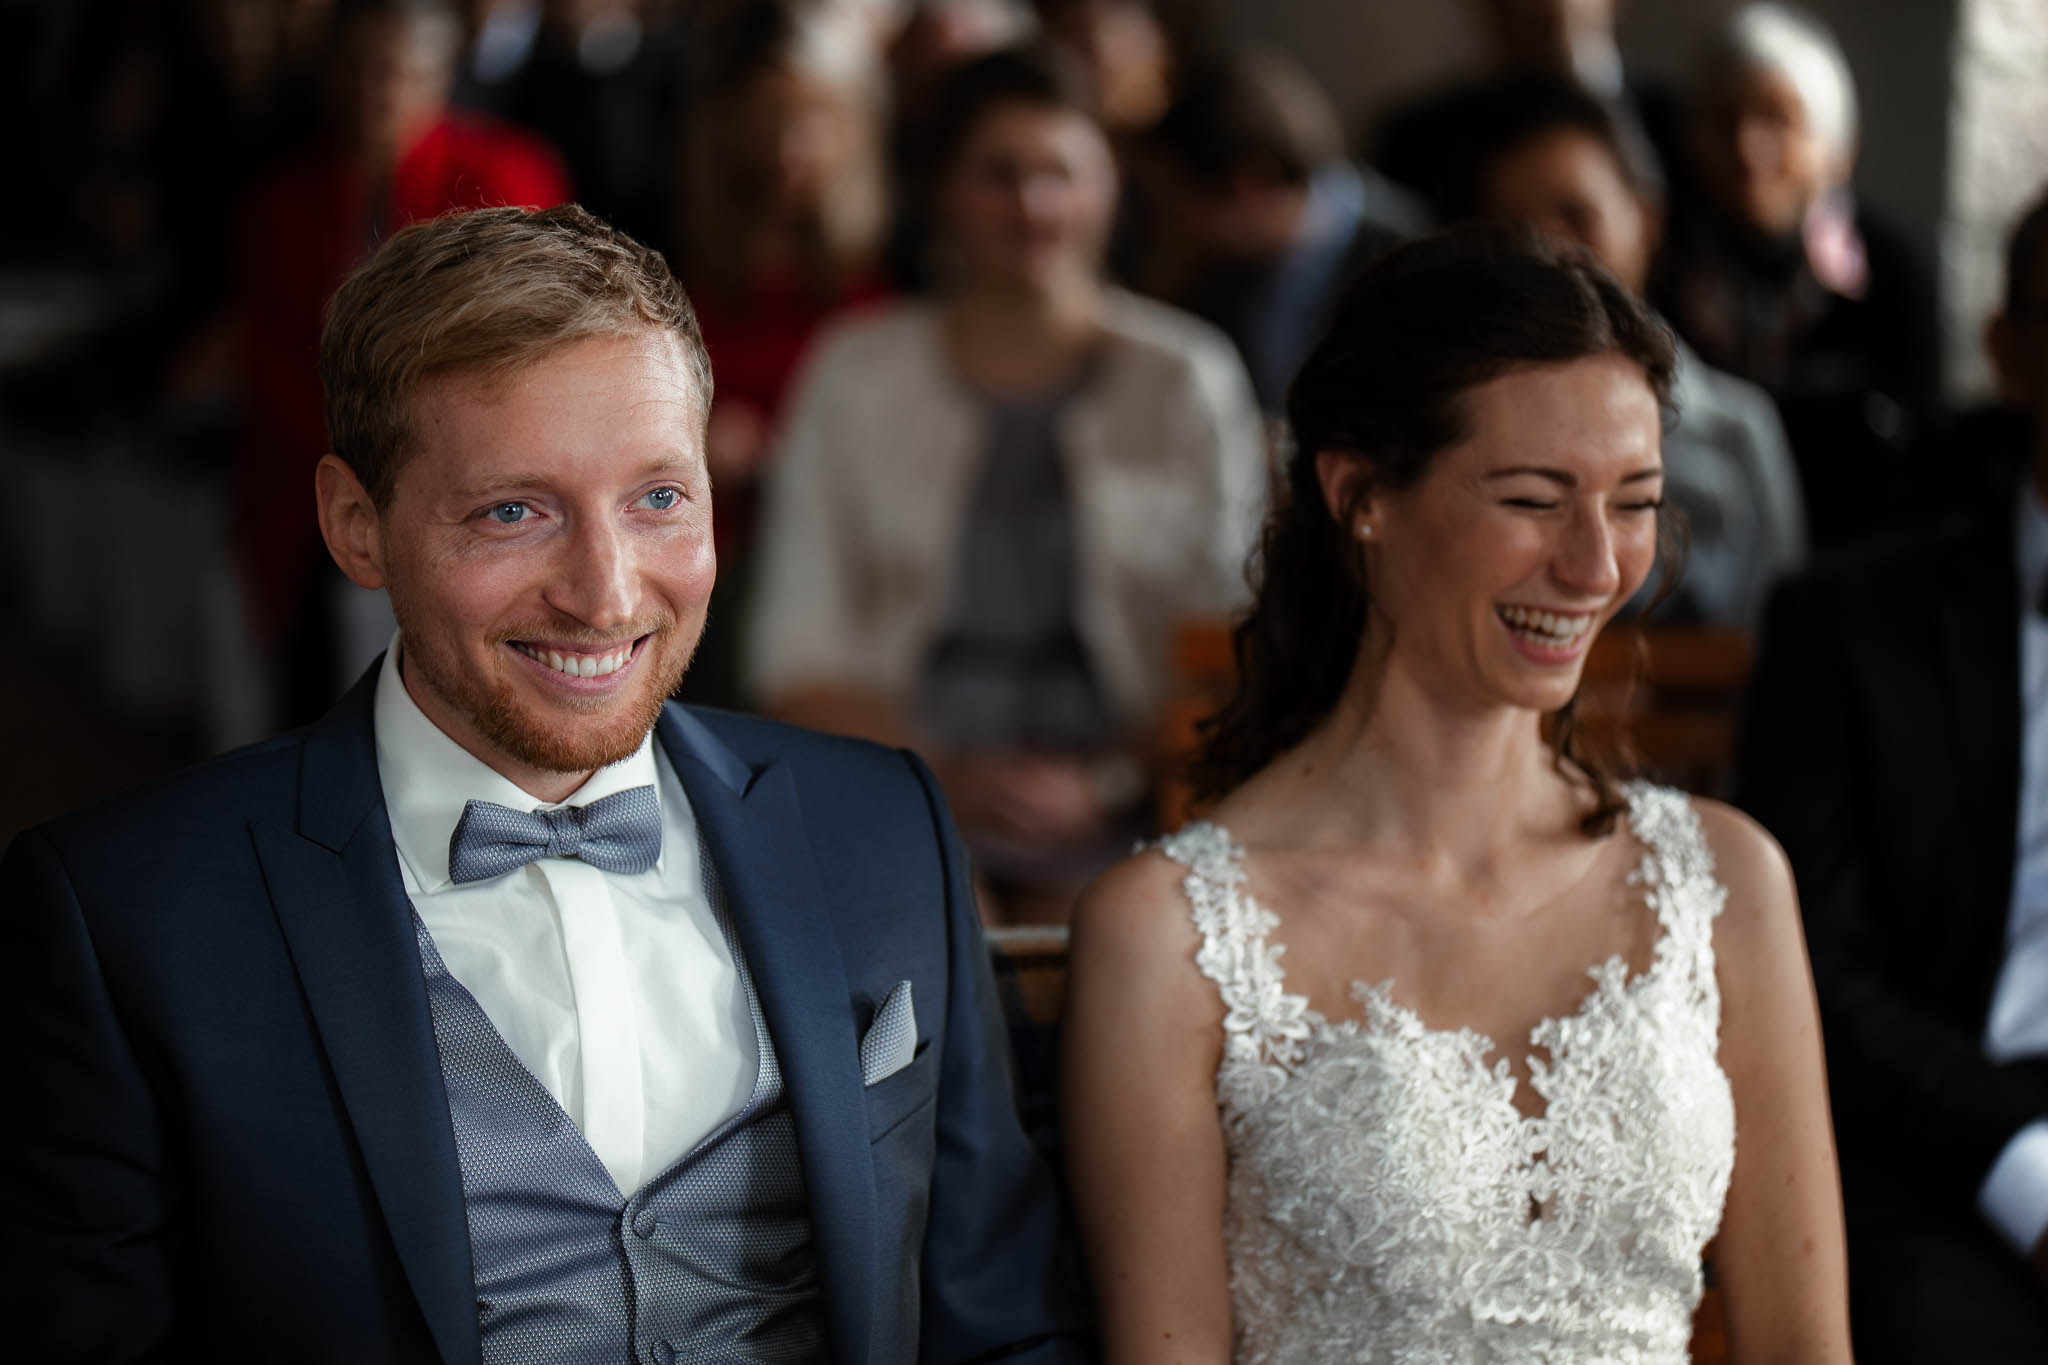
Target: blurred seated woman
1549 155
1778 276
784 218
1538 1034
990 511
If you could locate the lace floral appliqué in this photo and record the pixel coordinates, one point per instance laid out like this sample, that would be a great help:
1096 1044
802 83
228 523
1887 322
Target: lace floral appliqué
1383 1182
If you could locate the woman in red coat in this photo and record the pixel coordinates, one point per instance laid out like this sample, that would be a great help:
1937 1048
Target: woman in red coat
394 153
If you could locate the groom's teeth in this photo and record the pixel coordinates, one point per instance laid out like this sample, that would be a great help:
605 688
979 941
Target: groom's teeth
579 665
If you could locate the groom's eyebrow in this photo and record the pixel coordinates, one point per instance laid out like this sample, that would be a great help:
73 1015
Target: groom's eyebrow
670 466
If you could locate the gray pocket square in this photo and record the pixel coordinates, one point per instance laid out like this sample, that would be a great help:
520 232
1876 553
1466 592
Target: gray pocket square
891 1039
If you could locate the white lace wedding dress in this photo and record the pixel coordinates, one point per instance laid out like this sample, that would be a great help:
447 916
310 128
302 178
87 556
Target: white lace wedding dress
1384 1189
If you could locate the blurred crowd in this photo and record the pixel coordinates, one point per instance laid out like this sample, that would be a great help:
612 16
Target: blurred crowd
1002 297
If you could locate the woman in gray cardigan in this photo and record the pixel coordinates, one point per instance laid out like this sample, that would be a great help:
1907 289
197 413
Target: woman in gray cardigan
991 510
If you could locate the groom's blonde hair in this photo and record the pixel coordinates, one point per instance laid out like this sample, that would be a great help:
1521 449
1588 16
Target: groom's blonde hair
487 291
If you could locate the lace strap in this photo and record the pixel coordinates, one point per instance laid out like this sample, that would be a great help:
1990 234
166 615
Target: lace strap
1678 869
1263 1027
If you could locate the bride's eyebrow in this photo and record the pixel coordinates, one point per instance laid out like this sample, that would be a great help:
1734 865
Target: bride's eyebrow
1564 477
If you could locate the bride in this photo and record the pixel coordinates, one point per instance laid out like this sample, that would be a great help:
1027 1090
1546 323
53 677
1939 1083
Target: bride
1439 1043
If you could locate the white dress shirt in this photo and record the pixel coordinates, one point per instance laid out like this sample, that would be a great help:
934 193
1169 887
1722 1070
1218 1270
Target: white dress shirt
2014 1195
619 993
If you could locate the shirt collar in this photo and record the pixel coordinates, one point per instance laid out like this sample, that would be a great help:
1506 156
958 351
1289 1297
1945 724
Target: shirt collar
2030 541
1596 63
428 778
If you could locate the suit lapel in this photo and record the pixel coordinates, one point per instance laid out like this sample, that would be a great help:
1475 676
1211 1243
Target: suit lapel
753 829
335 887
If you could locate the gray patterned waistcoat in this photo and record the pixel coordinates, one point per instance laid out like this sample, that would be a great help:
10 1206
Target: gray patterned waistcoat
710 1261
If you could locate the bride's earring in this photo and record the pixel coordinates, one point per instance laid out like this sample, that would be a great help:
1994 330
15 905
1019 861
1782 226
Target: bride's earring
1365 530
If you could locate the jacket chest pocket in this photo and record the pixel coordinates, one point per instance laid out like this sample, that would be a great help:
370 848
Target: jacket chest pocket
896 1098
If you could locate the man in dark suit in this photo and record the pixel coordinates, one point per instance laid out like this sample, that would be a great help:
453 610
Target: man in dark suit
1897 745
512 1013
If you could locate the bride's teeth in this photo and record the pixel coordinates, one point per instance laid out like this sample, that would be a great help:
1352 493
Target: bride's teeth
1550 629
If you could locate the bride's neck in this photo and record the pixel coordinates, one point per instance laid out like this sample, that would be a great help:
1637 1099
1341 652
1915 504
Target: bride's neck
1399 766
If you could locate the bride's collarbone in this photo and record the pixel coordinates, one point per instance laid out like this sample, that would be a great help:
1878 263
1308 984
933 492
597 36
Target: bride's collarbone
1496 954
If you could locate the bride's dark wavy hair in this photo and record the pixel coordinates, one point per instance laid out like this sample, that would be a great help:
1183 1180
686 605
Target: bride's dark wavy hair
1422 326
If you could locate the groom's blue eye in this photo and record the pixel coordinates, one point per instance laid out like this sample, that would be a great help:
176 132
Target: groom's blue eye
661 499
508 513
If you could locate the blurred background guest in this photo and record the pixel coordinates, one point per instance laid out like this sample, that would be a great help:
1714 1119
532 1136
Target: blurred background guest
232 87
135 131
1780 277
1548 154
989 511
1132 53
602 84
1259 219
392 152
1127 50
1905 770
180 107
784 211
498 40
1425 142
936 36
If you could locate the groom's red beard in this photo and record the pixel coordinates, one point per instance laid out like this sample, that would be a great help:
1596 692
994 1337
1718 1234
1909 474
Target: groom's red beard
609 729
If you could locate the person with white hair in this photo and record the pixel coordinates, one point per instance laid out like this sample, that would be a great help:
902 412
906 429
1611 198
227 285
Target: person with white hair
1777 274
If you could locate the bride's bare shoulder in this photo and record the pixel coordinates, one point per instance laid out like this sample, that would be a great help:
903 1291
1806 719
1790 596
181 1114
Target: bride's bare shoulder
1747 860
1137 915
1147 885
1132 967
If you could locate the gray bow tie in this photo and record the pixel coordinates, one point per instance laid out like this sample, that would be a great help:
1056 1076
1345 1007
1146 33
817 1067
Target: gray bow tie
620 833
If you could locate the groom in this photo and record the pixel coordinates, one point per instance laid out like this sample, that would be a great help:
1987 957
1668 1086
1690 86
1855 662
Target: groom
511 1013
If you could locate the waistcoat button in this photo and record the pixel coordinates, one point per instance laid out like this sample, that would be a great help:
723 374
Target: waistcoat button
643 1223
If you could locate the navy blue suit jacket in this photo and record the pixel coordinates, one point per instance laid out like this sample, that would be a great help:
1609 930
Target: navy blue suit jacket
231 1140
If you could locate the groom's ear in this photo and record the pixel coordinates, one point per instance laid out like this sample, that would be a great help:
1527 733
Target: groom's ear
349 522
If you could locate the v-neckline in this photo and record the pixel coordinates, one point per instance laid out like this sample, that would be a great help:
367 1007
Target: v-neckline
1477 1046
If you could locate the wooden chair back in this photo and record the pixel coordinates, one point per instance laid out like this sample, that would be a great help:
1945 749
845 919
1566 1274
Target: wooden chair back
1665 698
1672 696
